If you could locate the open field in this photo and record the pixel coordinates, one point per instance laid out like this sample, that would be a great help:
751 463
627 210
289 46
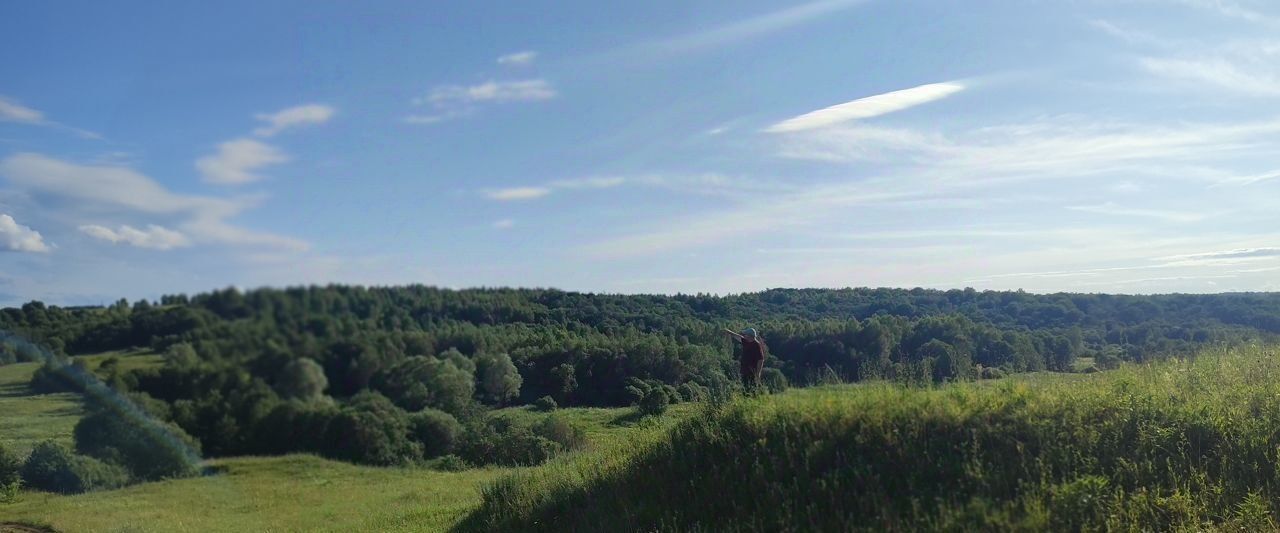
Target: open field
1179 445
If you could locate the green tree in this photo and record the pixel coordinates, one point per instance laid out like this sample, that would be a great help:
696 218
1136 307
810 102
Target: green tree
419 382
499 379
303 379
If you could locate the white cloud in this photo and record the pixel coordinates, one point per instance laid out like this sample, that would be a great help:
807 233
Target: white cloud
1229 9
589 183
236 159
505 223
11 111
1110 208
293 117
153 237
1224 73
18 238
521 58
532 192
491 91
517 193
454 101
1227 254
122 190
746 29
868 107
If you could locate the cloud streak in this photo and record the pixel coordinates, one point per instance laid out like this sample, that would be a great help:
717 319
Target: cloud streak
293 117
750 28
153 237
871 106
518 59
236 161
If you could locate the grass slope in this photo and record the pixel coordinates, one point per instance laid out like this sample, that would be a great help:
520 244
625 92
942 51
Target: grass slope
1175 446
27 419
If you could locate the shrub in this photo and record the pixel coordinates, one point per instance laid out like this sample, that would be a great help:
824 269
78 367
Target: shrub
371 430
56 376
654 403
10 475
448 463
693 392
991 372
774 381
496 442
545 404
558 430
148 448
437 431
52 467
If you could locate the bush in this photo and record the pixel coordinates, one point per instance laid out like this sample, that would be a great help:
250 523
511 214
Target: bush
10 475
654 402
558 430
545 404
693 392
774 381
149 449
496 442
56 376
991 372
448 463
371 431
52 467
437 431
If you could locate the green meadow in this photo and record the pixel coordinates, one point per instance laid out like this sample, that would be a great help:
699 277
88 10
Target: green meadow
1182 445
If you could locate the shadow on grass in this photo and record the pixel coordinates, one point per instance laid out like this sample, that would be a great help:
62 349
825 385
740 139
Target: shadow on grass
24 527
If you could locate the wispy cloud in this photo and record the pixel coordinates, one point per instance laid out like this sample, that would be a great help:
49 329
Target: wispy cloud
236 161
153 236
517 193
293 117
749 28
518 59
505 223
18 238
602 182
871 106
532 192
120 190
11 111
1256 74
1226 254
491 91
454 101
1112 209
1229 9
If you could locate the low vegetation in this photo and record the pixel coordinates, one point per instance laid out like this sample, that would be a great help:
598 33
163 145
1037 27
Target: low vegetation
1181 445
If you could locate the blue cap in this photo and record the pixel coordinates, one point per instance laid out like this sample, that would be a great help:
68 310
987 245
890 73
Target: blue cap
749 332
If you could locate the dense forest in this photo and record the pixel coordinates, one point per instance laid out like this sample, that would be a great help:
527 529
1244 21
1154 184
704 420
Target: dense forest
398 375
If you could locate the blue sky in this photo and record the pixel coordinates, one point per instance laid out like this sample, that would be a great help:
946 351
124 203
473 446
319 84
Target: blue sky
1090 146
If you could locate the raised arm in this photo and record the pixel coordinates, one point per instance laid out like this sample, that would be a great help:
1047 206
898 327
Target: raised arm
735 334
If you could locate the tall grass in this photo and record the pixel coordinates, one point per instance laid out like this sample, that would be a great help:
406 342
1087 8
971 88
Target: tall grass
1181 445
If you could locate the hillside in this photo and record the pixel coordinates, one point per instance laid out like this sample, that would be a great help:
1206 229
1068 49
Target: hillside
1173 446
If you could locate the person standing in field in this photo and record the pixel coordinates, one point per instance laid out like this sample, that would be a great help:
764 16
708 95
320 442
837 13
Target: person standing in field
753 354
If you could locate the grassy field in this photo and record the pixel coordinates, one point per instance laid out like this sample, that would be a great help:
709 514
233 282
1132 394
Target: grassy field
1183 446
25 419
